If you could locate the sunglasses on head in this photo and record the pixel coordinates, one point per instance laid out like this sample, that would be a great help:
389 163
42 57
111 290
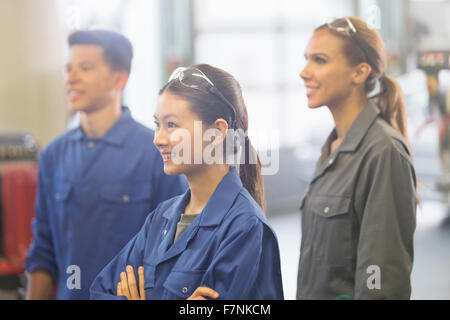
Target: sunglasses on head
345 26
194 78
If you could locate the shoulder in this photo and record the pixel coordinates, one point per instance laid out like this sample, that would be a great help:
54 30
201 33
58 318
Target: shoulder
382 140
386 152
55 147
245 211
246 221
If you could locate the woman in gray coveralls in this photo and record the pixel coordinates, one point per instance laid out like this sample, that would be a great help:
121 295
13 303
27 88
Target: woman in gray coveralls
358 215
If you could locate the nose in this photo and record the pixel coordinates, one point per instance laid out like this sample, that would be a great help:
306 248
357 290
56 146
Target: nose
71 77
305 74
161 138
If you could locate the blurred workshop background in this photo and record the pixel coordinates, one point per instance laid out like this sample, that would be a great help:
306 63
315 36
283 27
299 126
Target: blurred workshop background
261 42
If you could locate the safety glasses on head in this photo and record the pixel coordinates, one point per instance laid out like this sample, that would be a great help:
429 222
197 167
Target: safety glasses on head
194 78
345 26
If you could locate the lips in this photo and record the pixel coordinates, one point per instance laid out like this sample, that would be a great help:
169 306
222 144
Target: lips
166 156
74 95
310 90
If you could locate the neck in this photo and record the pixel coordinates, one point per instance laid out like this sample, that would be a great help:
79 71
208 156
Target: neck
202 184
95 124
345 113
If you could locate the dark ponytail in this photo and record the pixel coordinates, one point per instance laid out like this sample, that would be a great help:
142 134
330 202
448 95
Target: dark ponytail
210 109
250 174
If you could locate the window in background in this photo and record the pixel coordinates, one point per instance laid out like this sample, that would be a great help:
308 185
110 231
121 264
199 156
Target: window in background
141 23
261 42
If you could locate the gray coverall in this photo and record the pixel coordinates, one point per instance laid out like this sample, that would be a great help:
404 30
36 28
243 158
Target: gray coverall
359 216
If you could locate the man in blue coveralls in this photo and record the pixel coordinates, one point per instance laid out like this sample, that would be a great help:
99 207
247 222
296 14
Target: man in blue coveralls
98 182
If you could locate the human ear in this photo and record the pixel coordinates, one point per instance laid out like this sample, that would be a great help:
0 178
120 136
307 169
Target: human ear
361 73
121 79
222 126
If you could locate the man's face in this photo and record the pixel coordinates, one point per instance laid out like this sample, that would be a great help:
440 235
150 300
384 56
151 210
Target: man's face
90 83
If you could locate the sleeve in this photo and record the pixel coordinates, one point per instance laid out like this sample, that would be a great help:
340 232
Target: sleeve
165 186
387 224
41 254
104 287
239 270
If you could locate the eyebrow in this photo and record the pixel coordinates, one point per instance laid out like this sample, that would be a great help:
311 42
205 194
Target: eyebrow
166 116
90 62
69 64
317 54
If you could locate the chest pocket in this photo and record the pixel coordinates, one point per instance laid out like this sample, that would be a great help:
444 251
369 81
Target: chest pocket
332 229
182 284
124 193
59 197
331 206
61 192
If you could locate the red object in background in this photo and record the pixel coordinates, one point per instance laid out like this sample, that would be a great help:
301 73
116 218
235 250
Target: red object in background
18 199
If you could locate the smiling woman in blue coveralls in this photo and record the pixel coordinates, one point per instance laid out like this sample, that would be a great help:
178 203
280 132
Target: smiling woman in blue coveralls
214 241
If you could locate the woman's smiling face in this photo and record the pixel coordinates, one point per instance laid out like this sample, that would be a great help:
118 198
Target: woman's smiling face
178 135
327 74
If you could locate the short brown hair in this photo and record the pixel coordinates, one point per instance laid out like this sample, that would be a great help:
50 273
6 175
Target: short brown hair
117 49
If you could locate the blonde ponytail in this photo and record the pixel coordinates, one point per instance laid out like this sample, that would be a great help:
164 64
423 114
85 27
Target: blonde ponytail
391 102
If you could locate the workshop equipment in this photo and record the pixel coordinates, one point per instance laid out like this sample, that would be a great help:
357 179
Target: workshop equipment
18 186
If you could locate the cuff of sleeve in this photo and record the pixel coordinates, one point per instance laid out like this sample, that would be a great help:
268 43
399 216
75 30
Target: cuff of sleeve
31 266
